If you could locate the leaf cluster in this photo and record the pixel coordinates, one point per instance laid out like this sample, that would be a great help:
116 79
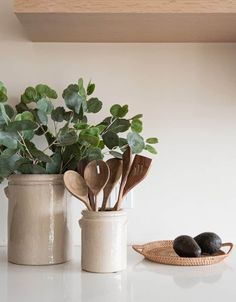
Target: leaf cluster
72 137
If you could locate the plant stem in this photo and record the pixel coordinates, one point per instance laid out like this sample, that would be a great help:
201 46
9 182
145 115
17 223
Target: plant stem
24 144
108 127
48 147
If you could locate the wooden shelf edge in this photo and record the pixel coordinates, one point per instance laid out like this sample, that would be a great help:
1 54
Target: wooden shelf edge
125 6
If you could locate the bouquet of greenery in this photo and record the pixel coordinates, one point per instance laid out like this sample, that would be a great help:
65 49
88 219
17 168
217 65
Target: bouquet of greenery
72 139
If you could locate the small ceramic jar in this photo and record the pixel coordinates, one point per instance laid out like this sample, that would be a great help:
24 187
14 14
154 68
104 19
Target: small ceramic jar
104 241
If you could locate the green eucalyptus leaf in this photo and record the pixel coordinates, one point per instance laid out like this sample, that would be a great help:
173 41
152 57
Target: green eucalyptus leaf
45 91
94 154
136 125
69 115
22 161
21 126
151 149
3 88
122 142
24 99
94 105
152 140
55 166
31 169
119 111
116 154
101 144
115 110
58 114
73 99
135 142
101 128
38 154
4 117
3 97
28 134
8 140
120 125
45 106
9 111
42 116
30 94
8 153
90 88
7 165
123 111
50 93
25 116
21 107
67 136
138 116
92 140
82 91
81 126
110 139
106 121
90 136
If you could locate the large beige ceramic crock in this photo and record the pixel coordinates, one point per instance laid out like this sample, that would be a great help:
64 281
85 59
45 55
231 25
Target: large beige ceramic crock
104 241
38 220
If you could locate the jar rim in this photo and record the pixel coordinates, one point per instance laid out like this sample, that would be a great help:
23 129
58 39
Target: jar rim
35 178
93 214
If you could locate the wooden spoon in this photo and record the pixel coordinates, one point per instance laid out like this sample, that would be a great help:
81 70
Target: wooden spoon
115 167
96 175
127 158
138 171
76 185
80 169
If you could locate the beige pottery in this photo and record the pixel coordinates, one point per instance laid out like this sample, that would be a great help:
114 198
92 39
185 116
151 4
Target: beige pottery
38 220
104 241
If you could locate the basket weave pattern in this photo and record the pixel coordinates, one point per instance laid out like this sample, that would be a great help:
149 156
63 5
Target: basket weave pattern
163 252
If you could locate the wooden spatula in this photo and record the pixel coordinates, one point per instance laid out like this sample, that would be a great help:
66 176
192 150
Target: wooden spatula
76 185
138 171
96 175
115 167
127 158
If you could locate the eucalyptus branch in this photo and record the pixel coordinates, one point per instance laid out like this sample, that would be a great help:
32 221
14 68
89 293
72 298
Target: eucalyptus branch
109 126
24 144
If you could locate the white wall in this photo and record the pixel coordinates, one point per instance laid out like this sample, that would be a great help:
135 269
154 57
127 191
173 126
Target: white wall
187 93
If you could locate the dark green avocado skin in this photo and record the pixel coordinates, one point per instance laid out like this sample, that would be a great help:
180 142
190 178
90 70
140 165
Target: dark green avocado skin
209 242
186 246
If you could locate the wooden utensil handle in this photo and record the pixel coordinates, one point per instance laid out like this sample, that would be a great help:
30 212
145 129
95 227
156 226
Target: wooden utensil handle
120 195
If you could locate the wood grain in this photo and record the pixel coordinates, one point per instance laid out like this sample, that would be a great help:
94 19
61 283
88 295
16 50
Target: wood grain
126 6
128 21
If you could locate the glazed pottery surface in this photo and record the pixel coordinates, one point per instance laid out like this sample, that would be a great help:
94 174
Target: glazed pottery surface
38 220
104 241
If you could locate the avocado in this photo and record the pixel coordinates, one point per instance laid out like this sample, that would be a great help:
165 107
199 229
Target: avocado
186 246
209 243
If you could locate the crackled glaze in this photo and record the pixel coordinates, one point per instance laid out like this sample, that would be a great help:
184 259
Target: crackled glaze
104 241
38 220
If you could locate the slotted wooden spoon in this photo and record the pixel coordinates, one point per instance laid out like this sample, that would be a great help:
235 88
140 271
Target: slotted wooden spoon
96 175
127 158
115 167
138 171
76 185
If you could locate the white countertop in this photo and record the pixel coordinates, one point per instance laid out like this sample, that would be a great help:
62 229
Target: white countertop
142 281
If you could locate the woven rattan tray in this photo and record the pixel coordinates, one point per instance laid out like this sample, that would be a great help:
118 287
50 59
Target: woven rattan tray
163 252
